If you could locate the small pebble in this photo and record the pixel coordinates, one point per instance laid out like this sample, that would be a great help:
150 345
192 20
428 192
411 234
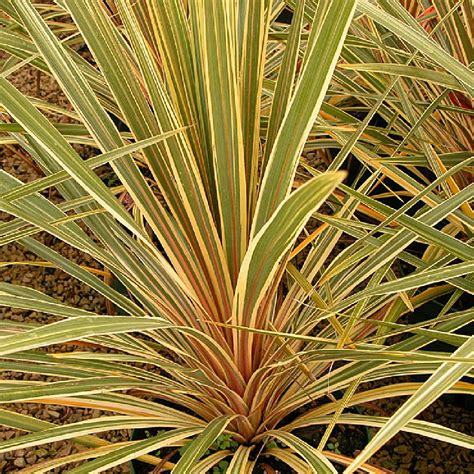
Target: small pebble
19 462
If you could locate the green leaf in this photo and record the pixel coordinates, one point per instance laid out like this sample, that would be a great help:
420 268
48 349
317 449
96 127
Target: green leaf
74 430
419 427
135 450
413 72
420 40
218 51
316 460
57 147
77 328
286 78
240 462
446 375
196 448
303 109
94 162
268 248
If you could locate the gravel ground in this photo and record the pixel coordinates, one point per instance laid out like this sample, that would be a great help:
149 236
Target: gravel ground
405 454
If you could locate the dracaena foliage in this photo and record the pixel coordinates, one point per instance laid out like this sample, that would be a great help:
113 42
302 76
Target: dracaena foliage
239 317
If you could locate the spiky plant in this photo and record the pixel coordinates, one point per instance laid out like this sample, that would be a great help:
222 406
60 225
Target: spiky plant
222 329
428 112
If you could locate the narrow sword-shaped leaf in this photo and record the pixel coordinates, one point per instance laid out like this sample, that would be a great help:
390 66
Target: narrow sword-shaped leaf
94 162
72 329
196 448
218 49
266 250
414 72
254 46
285 82
55 145
420 40
135 450
240 463
303 110
448 374
318 462
420 427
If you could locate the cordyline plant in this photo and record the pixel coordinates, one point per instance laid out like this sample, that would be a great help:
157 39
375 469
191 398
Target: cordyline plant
428 109
237 317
